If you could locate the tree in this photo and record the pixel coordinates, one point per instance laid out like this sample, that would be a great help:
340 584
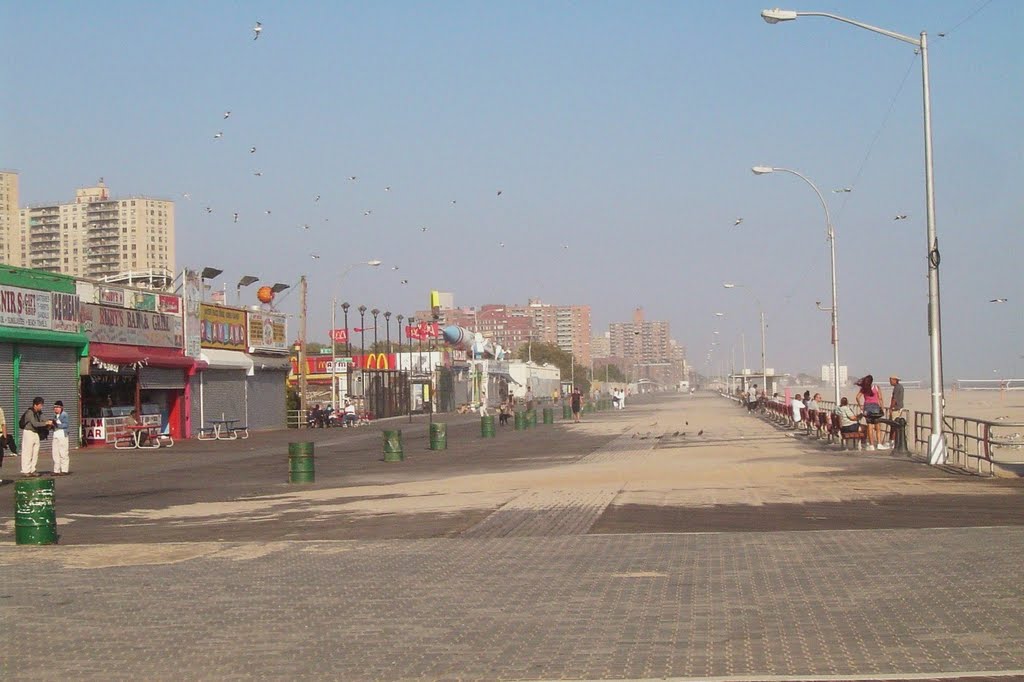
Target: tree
609 372
549 353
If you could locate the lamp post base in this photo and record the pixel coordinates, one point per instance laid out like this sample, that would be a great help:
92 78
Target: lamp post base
936 449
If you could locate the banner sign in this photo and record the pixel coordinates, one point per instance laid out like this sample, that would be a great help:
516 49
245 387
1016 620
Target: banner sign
65 311
24 308
110 296
143 301
222 328
107 324
193 295
268 332
422 331
169 304
322 364
339 335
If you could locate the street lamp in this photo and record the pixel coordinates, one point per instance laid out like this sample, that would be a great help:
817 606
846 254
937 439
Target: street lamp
830 230
937 440
334 309
244 282
387 324
764 364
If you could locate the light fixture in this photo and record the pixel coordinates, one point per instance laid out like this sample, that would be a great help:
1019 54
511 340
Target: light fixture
774 16
279 287
247 280
762 170
210 273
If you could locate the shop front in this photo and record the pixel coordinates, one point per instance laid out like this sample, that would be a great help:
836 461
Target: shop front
40 346
220 390
135 362
265 396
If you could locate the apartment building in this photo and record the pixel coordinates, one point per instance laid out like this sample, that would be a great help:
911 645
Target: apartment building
646 344
96 236
566 326
10 225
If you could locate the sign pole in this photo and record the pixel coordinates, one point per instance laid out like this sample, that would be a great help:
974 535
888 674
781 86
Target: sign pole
302 346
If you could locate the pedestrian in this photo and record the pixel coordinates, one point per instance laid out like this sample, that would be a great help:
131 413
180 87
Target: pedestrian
869 400
895 405
483 403
33 429
795 406
60 449
3 438
576 401
752 398
529 398
622 398
849 418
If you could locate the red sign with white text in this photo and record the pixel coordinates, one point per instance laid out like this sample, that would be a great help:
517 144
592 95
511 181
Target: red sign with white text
339 335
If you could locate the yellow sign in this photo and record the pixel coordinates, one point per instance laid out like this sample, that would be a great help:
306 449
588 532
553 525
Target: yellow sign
222 328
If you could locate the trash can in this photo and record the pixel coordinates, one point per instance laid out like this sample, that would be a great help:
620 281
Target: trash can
566 411
487 426
35 521
438 436
520 420
301 468
531 418
549 415
899 432
393 446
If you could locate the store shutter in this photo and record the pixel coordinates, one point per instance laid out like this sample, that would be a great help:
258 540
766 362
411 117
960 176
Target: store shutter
161 378
266 399
51 372
223 394
6 382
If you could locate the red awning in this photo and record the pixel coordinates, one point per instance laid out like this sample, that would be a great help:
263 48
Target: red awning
129 355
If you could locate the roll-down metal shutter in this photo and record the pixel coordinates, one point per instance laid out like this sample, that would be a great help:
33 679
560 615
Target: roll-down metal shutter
161 378
51 372
6 387
223 395
266 397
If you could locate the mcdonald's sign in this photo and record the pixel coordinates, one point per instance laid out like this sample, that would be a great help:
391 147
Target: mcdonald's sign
379 361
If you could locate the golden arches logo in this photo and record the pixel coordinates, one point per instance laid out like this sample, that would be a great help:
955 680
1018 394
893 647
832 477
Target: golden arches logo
377 361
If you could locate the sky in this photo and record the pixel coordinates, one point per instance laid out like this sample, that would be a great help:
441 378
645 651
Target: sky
620 135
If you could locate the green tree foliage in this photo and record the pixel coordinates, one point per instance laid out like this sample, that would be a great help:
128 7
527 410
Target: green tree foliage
549 353
609 372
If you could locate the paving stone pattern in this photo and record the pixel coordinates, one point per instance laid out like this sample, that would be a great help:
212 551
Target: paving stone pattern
873 602
545 512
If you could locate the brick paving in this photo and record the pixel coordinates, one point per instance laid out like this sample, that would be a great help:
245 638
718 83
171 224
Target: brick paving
596 551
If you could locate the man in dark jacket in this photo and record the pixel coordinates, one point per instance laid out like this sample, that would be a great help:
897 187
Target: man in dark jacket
32 427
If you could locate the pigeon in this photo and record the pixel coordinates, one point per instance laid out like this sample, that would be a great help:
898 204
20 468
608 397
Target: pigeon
902 216
315 256
998 300
737 222
218 135
236 216
675 433
701 432
565 246
252 150
842 190
687 423
258 174
256 30
227 114
316 198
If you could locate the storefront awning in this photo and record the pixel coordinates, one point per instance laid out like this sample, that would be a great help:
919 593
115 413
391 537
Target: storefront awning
269 363
226 359
139 356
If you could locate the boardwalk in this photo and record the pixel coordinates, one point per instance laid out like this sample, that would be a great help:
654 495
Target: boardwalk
681 538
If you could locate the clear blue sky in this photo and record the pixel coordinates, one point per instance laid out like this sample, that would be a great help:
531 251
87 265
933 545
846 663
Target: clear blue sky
624 130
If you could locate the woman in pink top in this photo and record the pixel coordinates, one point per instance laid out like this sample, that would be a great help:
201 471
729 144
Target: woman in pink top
869 399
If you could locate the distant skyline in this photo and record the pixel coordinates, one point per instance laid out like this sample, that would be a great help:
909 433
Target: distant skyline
625 131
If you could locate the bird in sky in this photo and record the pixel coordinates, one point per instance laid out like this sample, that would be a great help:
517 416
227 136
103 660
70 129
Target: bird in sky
424 229
737 222
902 216
316 198
256 30
252 150
267 211
499 192
394 267
227 114
565 246
501 245
453 202
405 281
305 226
388 188
353 178
841 190
368 212
186 196
315 256
998 300
219 134
236 216
209 209
258 174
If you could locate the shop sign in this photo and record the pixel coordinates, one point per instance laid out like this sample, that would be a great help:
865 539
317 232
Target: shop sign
24 308
105 324
339 335
169 304
65 311
143 301
193 291
222 328
423 331
268 331
321 364
110 296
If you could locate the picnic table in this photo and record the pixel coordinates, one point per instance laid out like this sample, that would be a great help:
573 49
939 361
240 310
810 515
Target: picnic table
223 429
135 441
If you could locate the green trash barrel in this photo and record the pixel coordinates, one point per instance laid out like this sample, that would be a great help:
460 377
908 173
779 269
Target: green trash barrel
520 420
393 446
549 415
35 521
300 463
487 426
532 417
438 436
566 410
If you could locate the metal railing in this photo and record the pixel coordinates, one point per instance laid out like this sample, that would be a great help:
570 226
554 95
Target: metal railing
977 445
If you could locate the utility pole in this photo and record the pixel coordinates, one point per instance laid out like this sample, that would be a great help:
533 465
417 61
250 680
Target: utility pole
302 345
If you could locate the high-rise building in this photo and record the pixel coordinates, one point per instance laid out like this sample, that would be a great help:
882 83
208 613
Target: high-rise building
646 345
97 236
10 225
828 374
601 346
566 326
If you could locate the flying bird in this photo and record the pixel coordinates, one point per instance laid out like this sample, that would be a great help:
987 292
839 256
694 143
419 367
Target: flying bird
841 190
394 267
187 196
565 246
267 211
316 198
252 150
353 178
209 209
502 245
256 30
305 226
453 202
236 216
998 300
218 135
942 35
227 114
499 192
368 212
424 229
315 256
737 222
258 174
902 216
405 281
388 188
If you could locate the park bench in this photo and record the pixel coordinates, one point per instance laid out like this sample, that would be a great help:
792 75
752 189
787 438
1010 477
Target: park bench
844 435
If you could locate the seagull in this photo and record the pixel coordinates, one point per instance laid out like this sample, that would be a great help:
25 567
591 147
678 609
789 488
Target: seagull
902 216
368 212
258 174
256 30
267 211
209 209
252 150
186 196
424 229
405 281
453 202
842 190
236 216
394 267
218 135
388 188
499 192
565 246
502 245
227 114
305 226
316 198
314 256
737 222
998 300
942 35
353 178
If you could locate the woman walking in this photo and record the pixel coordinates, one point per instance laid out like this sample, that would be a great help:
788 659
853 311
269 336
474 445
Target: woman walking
869 400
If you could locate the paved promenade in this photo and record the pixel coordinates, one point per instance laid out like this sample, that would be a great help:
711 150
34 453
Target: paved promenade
679 538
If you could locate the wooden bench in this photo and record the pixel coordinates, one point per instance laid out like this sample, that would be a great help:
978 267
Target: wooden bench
858 435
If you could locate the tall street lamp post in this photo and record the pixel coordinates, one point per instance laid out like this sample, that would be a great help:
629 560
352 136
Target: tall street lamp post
764 364
362 353
830 231
334 309
387 326
937 440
